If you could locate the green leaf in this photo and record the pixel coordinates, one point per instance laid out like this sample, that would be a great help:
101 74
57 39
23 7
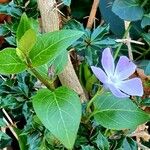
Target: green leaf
11 9
74 25
67 2
2 123
44 71
146 102
146 20
115 113
111 18
10 62
27 41
22 139
108 41
44 145
3 30
11 40
23 26
146 37
145 65
4 139
99 32
60 112
128 9
60 62
50 45
51 69
102 142
129 144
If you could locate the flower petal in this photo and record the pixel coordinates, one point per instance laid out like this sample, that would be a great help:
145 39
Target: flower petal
124 68
116 91
108 61
132 87
99 73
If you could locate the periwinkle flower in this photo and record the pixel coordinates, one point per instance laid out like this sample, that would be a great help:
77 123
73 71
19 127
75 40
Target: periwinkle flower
116 78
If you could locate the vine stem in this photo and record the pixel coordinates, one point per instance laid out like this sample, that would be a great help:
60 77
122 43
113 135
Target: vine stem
93 99
48 84
120 45
144 3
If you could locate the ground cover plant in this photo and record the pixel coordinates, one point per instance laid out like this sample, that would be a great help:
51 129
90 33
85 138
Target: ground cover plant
74 75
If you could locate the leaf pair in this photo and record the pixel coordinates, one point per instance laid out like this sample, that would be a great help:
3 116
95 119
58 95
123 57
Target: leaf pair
39 49
47 48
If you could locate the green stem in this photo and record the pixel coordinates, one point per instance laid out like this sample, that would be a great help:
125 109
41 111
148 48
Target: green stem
120 45
92 100
144 3
47 83
143 54
42 79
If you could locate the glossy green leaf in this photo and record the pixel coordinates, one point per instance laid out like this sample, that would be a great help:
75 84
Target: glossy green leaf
99 33
27 41
111 18
11 9
2 123
3 30
60 112
146 102
128 9
116 113
5 140
129 144
102 142
50 45
23 26
11 40
10 62
67 2
60 62
44 71
146 20
146 37
51 69
74 25
22 139
145 65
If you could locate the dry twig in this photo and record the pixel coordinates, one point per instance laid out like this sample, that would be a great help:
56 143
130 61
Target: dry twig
128 43
92 14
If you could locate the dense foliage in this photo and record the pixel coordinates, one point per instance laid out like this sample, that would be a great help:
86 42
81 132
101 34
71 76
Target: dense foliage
37 112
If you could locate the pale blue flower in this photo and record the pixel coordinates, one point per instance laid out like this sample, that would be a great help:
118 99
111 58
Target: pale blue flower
116 78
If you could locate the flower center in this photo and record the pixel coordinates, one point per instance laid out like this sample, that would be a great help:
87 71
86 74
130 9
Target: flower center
113 80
